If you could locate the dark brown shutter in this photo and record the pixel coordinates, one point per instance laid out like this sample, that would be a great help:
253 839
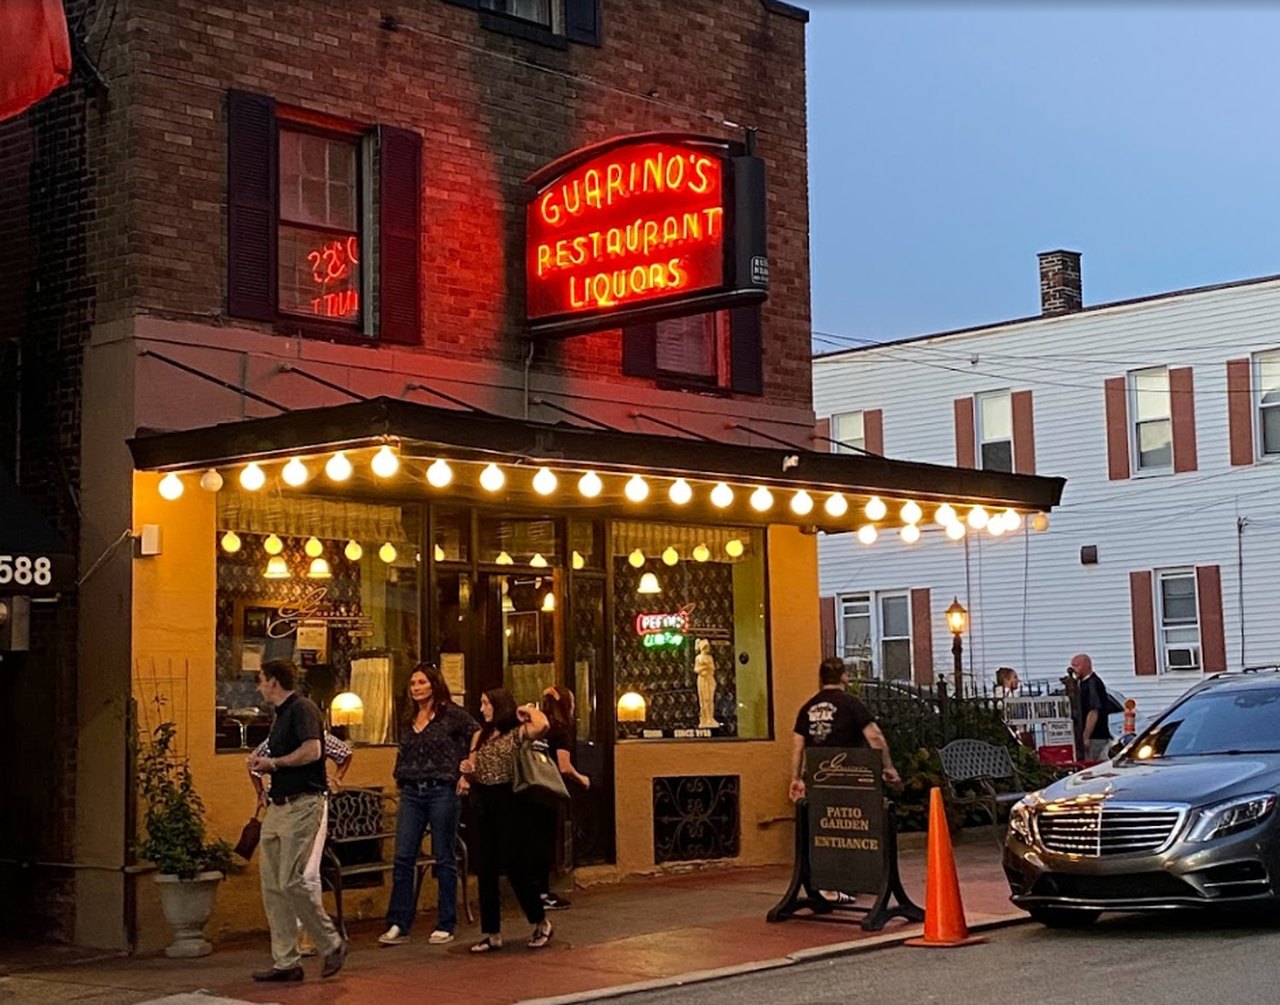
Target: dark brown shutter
400 235
1024 433
252 151
640 350
921 637
1240 410
746 351
965 443
1117 411
822 435
873 431
582 21
1182 413
1142 618
1213 640
827 618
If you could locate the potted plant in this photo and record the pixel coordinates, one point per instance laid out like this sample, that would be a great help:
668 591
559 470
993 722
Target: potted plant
190 867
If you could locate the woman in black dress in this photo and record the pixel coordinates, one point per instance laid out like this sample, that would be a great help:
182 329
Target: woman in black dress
562 739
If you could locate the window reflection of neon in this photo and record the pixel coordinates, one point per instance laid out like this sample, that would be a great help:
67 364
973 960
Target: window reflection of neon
332 264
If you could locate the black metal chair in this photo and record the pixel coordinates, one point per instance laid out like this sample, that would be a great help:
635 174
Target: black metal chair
978 776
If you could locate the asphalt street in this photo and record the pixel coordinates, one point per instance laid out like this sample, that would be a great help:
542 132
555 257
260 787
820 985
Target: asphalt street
1202 958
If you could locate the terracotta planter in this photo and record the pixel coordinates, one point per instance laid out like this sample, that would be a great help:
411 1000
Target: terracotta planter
187 905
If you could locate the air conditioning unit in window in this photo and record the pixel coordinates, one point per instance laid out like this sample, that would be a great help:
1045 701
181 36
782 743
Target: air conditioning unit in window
1182 657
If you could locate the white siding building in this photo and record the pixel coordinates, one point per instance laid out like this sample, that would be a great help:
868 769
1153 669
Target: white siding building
1163 561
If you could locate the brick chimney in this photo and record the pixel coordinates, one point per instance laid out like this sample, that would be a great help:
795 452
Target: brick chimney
1060 282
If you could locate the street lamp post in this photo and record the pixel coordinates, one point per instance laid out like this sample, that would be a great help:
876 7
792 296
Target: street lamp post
957 621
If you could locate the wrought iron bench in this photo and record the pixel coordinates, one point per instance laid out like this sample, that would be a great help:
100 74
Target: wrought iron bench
978 776
361 841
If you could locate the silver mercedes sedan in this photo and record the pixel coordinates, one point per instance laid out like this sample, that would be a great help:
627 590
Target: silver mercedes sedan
1183 817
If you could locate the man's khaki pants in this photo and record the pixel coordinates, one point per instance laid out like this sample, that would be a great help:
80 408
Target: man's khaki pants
289 835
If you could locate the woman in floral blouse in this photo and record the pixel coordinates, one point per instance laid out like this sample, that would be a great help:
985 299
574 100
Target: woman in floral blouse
506 838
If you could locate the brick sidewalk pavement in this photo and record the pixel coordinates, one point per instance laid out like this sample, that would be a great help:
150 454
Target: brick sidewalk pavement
616 935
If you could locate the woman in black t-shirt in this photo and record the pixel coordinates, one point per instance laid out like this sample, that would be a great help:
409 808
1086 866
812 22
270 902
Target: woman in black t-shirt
562 739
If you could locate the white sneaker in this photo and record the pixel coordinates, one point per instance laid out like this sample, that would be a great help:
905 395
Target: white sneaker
393 936
440 937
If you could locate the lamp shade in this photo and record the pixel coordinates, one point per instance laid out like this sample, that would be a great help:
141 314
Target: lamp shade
632 707
277 568
649 584
346 709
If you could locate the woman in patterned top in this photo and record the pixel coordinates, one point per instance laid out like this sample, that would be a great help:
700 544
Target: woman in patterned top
506 838
435 735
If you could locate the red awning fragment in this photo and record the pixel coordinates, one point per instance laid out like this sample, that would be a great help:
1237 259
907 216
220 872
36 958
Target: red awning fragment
35 53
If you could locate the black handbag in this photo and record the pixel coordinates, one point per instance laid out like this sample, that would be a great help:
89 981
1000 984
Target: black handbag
250 834
537 776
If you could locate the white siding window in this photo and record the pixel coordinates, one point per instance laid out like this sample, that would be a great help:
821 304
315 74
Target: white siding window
850 429
1267 381
1179 619
995 431
1152 423
875 634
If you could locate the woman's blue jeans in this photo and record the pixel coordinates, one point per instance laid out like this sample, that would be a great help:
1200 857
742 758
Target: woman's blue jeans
434 806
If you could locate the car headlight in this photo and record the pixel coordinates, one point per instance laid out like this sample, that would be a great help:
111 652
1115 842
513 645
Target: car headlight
1020 818
1232 816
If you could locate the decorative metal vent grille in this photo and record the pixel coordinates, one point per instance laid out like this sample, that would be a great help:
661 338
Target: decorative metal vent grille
695 817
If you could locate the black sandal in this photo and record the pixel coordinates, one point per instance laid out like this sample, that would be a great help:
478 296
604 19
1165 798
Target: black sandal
489 944
540 937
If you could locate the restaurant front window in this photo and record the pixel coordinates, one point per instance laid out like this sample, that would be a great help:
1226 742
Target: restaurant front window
332 586
689 631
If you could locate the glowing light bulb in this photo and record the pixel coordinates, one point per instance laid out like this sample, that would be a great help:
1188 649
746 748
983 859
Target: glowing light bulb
252 478
338 468
761 499
867 533
231 542
945 515
491 478
910 533
171 487
734 548
721 495
387 552
802 503
538 562
977 518
504 559
1040 523
438 553
875 508
680 492
578 561
636 558
995 527
637 489
836 505
272 545
353 551
544 482
549 603
439 474
1012 519
670 556
385 463
295 473
701 553
590 485
211 481
955 530
313 547
911 512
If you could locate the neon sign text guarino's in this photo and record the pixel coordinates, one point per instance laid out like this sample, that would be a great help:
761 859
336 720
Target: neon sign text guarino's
636 223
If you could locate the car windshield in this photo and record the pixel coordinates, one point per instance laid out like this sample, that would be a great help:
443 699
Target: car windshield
1215 722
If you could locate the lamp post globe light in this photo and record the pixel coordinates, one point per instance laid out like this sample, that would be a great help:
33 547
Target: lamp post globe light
957 622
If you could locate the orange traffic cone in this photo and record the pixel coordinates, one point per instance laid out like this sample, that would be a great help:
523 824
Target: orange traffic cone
944 923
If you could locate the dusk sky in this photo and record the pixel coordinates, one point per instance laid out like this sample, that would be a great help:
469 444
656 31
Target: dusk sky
950 142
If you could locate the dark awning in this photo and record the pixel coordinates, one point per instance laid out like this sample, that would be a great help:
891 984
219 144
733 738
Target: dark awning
427 432
33 558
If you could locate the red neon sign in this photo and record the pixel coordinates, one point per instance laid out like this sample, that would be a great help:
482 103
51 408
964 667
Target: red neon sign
637 223
333 264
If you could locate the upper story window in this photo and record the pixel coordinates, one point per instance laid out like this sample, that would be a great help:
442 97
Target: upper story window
1267 365
875 633
721 350
850 429
1152 432
1178 608
995 431
302 197
553 23
690 348
535 11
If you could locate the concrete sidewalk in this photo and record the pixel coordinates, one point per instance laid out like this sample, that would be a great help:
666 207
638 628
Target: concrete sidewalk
641 933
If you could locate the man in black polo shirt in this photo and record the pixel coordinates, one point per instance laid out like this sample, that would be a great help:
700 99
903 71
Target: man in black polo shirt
291 826
835 718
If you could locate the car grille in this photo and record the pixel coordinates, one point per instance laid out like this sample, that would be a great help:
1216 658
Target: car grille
1107 829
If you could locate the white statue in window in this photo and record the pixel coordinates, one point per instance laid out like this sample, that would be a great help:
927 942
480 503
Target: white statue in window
705 667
